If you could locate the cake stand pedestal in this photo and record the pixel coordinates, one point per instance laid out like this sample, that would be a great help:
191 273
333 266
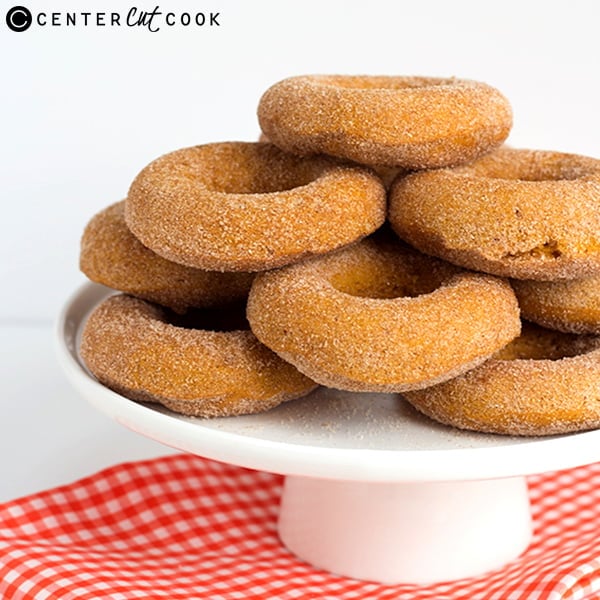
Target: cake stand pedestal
405 532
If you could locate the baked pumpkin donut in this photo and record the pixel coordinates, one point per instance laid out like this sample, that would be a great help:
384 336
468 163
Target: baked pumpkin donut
379 316
145 353
386 174
517 213
113 256
569 306
542 383
240 206
410 122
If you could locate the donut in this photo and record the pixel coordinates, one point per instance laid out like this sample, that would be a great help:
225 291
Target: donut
242 206
113 256
386 174
381 317
524 214
570 306
410 122
543 383
147 354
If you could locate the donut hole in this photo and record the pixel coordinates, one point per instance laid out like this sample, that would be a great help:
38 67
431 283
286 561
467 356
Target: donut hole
527 165
253 168
385 277
382 82
230 317
538 343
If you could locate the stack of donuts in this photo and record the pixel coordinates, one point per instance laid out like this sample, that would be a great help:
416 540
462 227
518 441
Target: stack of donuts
380 238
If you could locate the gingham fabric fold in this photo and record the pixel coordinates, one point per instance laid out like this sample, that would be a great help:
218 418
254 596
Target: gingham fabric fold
182 527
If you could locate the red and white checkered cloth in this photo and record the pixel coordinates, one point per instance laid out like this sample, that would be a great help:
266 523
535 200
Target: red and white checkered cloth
182 527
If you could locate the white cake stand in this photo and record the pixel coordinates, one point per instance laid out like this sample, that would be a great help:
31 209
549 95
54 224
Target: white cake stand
373 490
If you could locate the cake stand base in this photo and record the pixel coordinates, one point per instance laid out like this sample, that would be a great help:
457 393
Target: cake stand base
405 532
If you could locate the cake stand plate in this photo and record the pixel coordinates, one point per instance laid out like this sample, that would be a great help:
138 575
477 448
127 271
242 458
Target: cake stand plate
373 489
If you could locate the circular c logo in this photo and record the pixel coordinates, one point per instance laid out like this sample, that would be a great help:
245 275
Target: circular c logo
18 18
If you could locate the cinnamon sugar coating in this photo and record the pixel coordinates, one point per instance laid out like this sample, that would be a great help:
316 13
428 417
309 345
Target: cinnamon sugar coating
379 316
386 174
517 213
569 306
240 206
410 122
132 348
543 383
113 256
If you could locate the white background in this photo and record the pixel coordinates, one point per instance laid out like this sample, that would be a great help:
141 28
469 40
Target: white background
82 110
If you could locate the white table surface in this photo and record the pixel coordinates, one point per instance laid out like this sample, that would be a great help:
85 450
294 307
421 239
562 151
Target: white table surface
49 435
